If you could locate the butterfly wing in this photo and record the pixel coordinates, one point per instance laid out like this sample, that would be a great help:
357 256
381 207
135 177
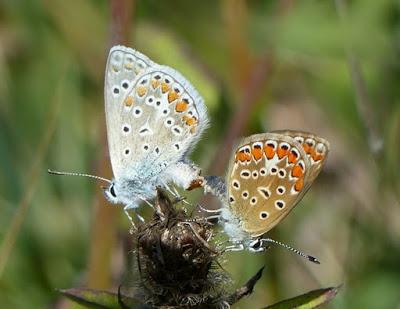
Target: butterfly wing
156 122
266 180
123 66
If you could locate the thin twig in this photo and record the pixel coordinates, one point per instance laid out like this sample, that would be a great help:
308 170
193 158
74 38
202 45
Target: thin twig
105 217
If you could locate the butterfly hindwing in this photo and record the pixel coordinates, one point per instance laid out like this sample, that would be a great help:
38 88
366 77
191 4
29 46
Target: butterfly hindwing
315 147
266 180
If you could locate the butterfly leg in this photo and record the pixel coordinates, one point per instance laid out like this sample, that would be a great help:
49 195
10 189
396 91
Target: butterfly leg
235 247
212 211
128 215
146 201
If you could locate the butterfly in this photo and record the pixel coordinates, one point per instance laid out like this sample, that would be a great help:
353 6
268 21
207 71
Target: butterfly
268 175
154 119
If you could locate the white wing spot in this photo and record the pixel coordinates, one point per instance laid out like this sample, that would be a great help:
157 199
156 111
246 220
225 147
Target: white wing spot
279 204
177 130
245 194
245 174
150 100
115 91
263 171
137 112
127 152
273 170
145 147
253 200
264 192
280 190
282 173
236 184
145 130
169 122
254 174
126 129
320 148
299 139
125 84
310 142
263 215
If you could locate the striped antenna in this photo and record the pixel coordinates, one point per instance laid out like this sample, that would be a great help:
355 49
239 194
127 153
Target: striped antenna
77 174
298 252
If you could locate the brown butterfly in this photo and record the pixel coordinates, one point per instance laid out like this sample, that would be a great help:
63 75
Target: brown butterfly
268 175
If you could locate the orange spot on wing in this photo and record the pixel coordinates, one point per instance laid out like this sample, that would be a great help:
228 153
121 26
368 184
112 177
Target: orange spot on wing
155 83
129 66
292 157
297 171
190 121
282 152
181 106
257 153
242 156
128 101
141 91
307 148
317 156
164 87
269 152
299 185
172 96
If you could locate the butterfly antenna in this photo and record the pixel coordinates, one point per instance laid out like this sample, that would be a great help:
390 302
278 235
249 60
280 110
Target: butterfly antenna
298 252
77 174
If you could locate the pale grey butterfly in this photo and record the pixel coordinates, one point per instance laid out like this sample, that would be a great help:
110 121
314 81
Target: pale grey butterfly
268 175
154 119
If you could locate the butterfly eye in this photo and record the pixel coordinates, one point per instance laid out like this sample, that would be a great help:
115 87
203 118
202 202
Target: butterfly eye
112 191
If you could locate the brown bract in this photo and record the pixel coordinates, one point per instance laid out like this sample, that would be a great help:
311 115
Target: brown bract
177 265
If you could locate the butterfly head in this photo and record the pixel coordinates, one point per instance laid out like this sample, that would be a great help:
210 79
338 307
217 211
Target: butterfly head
111 193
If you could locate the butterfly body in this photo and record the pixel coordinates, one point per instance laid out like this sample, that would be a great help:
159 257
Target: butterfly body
268 175
154 118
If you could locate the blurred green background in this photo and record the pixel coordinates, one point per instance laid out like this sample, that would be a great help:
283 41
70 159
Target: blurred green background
329 67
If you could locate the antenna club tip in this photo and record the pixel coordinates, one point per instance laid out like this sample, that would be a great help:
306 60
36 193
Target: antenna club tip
313 259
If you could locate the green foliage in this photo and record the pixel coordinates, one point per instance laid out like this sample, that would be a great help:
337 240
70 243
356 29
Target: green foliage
52 57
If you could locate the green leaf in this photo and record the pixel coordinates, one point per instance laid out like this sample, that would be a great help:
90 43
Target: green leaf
101 299
309 300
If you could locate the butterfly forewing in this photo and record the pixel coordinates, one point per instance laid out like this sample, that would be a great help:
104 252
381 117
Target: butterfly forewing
161 117
123 66
266 179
